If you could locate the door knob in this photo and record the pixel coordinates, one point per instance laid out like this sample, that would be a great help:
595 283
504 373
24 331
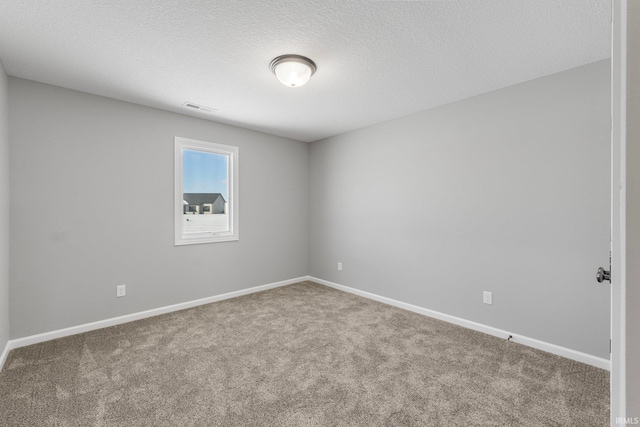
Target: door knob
603 275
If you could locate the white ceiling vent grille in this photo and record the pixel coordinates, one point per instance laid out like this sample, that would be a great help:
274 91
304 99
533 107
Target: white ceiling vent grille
198 107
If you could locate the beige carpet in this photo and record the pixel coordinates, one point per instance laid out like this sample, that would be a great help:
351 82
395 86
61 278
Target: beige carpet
300 355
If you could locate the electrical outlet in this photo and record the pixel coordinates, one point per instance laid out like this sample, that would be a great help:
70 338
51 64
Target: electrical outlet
487 297
121 290
339 266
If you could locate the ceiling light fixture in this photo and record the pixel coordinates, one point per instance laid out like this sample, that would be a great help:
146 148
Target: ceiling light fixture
293 70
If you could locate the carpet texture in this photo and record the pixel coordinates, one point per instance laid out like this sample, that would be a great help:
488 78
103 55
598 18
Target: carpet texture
299 355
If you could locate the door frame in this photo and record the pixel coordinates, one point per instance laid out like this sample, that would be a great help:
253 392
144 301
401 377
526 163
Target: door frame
618 207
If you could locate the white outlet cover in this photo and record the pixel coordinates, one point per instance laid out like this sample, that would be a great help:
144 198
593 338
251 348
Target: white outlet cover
487 297
339 266
121 290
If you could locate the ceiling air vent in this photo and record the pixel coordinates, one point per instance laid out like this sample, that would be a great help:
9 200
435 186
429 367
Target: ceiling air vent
202 108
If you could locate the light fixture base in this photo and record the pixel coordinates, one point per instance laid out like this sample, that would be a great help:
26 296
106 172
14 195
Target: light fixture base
293 70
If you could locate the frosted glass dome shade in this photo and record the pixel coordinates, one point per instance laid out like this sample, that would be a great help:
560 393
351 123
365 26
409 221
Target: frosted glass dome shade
293 70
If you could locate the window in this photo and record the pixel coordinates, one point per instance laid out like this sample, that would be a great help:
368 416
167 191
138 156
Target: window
206 192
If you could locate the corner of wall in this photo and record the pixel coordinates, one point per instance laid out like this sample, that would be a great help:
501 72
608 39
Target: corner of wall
4 215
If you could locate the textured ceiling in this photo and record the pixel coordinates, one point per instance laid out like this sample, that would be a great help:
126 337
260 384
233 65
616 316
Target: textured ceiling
377 60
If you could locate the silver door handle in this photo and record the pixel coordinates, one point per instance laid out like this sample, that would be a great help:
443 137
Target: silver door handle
603 275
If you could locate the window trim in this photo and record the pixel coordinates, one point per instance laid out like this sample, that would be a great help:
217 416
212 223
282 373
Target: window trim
181 144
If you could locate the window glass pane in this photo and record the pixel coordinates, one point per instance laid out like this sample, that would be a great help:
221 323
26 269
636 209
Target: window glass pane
206 192
205 186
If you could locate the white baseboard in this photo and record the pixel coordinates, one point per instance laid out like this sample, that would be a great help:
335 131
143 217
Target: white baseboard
4 355
540 345
531 342
60 333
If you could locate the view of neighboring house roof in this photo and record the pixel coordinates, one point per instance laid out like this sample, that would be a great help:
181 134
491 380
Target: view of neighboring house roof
199 198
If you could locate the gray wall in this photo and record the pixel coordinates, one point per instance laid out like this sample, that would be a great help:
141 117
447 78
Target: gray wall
633 210
92 207
4 211
506 192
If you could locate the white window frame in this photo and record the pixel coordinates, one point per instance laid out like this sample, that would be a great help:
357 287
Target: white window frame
181 238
